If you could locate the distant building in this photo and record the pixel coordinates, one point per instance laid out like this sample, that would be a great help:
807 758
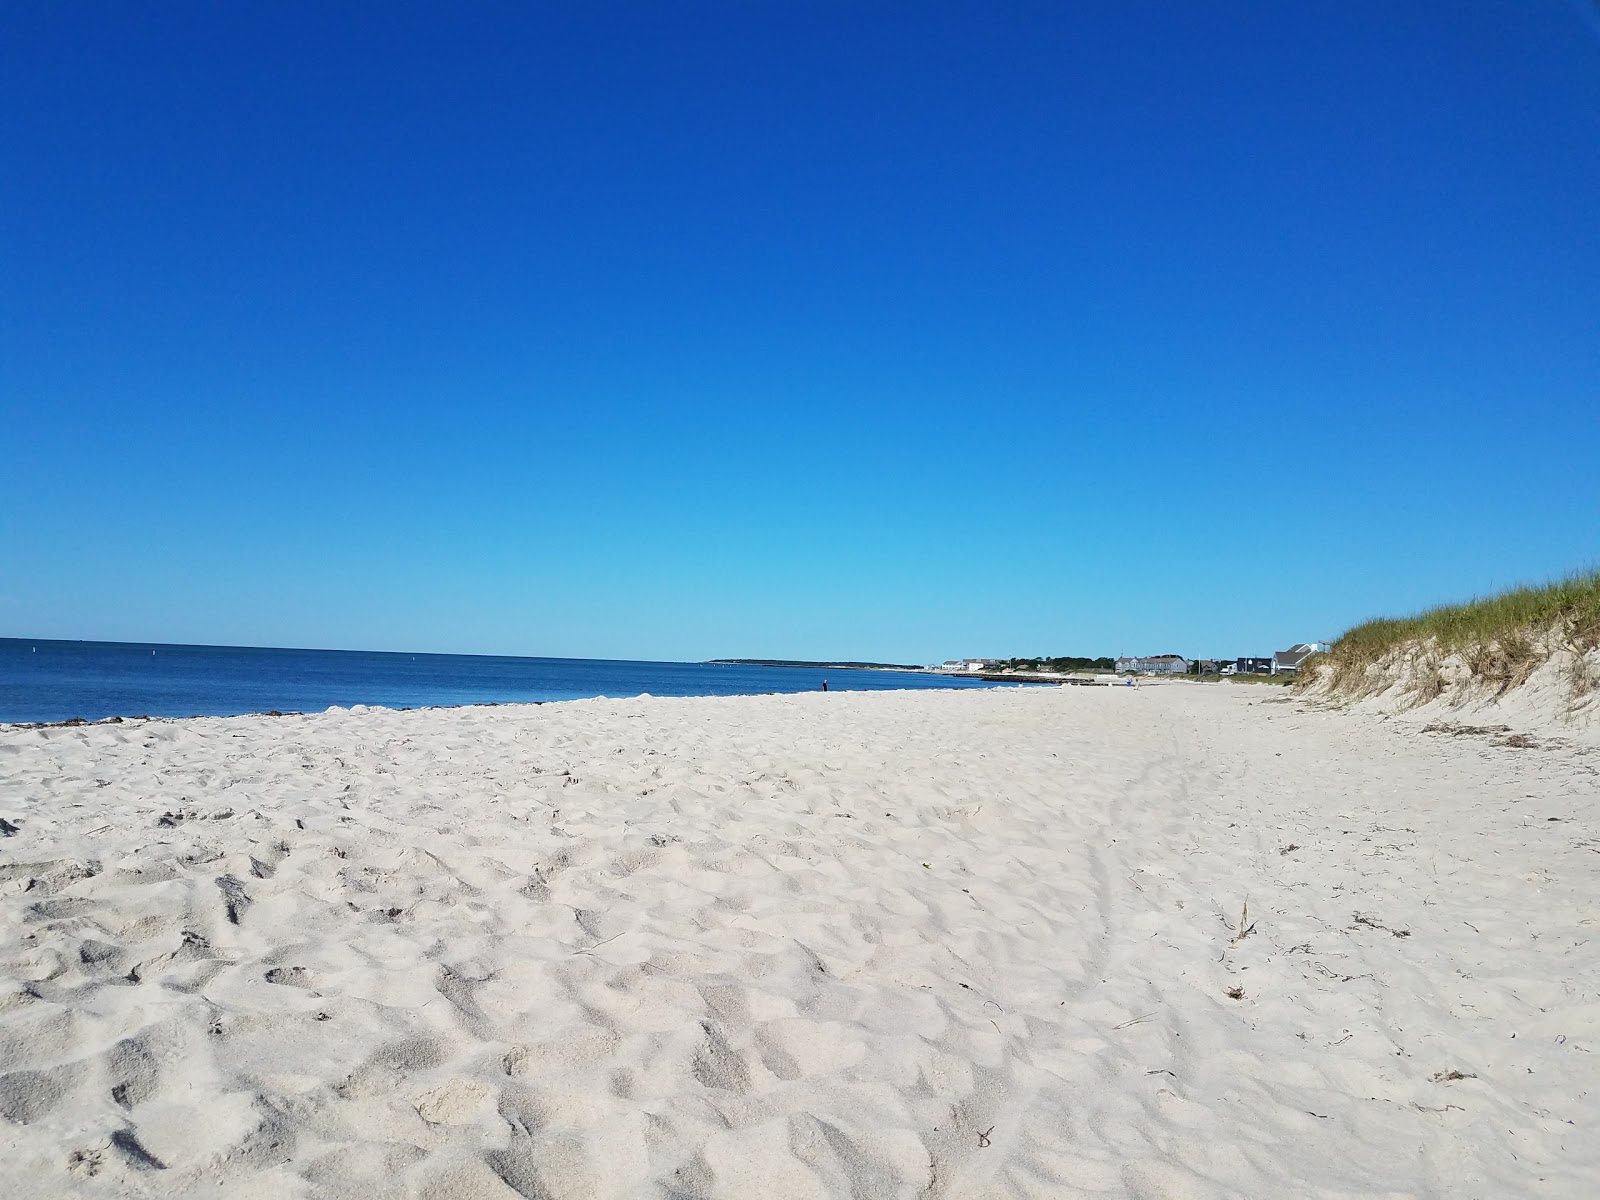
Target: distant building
1252 666
1288 661
966 664
1160 664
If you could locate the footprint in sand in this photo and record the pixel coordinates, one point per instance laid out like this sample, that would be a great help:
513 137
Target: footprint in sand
297 977
28 1096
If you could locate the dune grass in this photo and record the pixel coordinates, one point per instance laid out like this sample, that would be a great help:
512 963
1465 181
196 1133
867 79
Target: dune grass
1502 637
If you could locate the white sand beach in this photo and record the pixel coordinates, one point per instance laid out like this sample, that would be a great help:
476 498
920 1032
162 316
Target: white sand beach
914 944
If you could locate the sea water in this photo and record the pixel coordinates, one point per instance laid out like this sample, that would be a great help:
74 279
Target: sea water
56 681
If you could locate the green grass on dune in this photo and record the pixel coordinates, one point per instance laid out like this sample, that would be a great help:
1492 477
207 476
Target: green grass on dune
1496 634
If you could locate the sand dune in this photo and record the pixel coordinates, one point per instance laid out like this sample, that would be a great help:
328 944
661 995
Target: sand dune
1556 690
943 944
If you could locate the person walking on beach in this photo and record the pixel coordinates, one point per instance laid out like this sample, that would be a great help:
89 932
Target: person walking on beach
824 685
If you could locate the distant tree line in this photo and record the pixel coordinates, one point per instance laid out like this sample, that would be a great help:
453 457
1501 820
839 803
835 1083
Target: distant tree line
1059 665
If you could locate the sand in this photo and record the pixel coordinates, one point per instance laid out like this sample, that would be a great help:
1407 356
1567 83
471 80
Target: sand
944 944
1557 693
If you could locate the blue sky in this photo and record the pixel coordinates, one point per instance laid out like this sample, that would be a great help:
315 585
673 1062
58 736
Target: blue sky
895 331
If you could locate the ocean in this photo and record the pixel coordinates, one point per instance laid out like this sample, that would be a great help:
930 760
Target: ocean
57 681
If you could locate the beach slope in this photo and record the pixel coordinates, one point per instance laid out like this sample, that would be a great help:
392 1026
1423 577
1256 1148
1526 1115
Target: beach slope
1169 941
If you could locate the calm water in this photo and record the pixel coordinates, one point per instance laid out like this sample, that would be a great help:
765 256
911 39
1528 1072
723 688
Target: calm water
55 681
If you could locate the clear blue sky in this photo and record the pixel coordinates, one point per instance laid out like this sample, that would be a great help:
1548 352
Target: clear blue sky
895 331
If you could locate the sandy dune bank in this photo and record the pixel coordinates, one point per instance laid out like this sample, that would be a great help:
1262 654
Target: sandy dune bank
1554 688
957 944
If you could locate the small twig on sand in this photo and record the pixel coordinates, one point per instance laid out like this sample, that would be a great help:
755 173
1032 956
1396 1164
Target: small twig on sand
1374 923
1245 925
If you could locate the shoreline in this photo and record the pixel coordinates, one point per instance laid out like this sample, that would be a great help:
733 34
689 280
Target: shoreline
95 681
275 714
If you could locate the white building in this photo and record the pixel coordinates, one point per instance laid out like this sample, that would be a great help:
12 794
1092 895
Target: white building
1288 661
